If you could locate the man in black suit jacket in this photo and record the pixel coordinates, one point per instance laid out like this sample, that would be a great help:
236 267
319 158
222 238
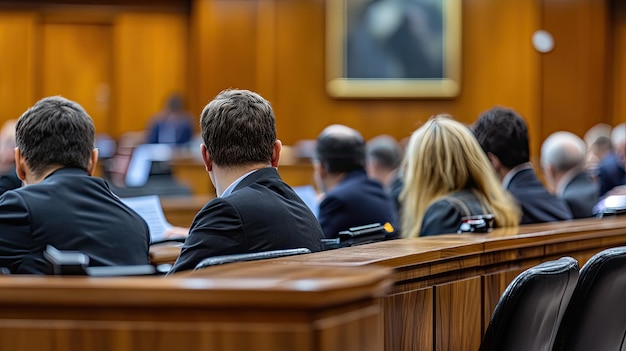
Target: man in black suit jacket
562 161
61 204
255 210
503 135
351 198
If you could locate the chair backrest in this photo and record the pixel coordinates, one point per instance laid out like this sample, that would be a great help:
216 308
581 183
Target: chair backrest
216 260
596 316
530 309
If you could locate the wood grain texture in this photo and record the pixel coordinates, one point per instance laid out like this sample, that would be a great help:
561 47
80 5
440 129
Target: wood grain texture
458 315
409 320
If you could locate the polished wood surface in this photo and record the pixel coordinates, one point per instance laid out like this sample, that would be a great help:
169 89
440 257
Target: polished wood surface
456 280
180 211
262 308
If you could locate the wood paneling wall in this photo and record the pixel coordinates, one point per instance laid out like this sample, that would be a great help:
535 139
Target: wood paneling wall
277 48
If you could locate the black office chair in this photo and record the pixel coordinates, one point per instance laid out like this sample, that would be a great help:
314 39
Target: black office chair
217 260
77 263
530 309
596 316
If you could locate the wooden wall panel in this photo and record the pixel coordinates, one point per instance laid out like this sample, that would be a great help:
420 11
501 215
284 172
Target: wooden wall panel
498 67
150 63
225 34
409 320
457 308
76 62
574 74
17 67
617 75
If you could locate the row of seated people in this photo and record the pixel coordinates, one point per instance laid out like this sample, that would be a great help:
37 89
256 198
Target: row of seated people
448 175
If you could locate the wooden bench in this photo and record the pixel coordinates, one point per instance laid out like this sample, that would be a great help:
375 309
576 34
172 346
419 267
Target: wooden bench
445 287
266 307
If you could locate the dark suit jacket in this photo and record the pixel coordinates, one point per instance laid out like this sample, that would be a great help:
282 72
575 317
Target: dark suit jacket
581 194
538 205
70 211
610 173
356 201
9 181
261 214
444 215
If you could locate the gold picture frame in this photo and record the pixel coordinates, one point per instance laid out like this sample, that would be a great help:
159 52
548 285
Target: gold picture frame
393 48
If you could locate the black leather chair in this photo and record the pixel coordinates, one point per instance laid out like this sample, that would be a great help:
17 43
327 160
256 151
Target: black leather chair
596 316
77 263
530 309
212 261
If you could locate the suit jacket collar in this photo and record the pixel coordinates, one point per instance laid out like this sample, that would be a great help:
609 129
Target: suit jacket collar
66 171
270 173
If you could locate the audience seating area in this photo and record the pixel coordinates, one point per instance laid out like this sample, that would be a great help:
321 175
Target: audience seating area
434 293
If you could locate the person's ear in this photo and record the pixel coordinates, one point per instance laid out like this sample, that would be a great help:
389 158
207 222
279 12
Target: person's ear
93 161
206 158
20 165
495 161
278 145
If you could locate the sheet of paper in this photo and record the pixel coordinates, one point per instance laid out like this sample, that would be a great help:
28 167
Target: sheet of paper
149 208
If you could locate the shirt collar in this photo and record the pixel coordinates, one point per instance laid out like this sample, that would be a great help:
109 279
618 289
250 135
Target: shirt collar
231 187
513 172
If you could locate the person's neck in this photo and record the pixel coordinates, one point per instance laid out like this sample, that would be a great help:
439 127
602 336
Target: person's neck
223 177
332 180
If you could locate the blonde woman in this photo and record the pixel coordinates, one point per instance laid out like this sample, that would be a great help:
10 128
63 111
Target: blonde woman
447 177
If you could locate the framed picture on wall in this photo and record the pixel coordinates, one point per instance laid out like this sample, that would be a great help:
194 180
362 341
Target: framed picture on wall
393 48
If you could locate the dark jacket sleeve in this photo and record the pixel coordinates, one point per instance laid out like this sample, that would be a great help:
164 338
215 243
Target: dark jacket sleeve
441 218
332 212
217 230
16 241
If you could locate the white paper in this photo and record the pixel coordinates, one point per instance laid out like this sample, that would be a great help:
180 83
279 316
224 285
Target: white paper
149 208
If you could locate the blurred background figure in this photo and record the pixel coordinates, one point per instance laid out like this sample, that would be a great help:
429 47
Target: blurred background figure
563 164
384 155
8 177
611 171
173 125
598 141
351 199
448 177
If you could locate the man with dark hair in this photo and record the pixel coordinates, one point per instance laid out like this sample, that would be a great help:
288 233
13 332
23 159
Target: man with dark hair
61 204
255 210
384 155
503 135
351 199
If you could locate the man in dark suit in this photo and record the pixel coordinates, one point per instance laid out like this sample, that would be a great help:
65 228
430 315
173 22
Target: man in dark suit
255 210
562 161
61 204
351 198
503 135
611 171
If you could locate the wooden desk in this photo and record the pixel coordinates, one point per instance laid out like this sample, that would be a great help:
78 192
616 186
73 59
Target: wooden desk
446 287
180 211
268 307
191 172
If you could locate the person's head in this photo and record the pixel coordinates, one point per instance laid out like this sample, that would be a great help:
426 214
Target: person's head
52 134
7 145
561 152
239 132
503 136
384 155
443 157
175 103
339 150
618 140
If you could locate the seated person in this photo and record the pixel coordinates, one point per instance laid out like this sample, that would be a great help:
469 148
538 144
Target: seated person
448 177
563 164
351 199
172 125
384 155
8 177
255 210
62 204
611 172
503 136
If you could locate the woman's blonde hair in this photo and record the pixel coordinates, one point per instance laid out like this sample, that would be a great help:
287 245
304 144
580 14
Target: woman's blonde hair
443 157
